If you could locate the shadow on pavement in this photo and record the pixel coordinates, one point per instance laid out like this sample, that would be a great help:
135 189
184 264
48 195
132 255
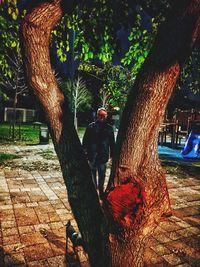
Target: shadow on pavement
175 164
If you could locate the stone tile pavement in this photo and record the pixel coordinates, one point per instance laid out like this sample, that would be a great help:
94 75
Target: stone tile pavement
34 210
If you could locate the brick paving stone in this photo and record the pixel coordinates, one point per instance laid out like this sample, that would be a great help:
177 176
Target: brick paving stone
57 233
66 217
25 189
43 218
19 197
162 238
25 229
41 251
53 217
61 211
5 196
12 248
152 258
8 214
185 252
7 224
46 214
5 202
56 225
58 261
196 187
179 205
193 197
190 182
152 242
58 205
52 197
32 204
26 216
58 246
183 224
19 205
43 203
32 238
9 231
40 263
15 190
39 227
187 232
170 226
47 176
47 208
37 196
193 203
174 235
12 184
193 242
194 230
186 212
193 220
12 239
6 207
29 182
36 189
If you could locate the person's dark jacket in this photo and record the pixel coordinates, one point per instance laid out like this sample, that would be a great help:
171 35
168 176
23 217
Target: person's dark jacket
98 142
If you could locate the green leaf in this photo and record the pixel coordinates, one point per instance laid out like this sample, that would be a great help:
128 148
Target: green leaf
9 10
13 44
14 15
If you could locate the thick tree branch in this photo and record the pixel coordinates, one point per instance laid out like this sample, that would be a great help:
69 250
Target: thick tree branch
136 167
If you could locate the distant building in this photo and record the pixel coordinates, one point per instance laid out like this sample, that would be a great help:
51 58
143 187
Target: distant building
22 114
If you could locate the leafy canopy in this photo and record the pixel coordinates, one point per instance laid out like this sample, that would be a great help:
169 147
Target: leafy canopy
96 24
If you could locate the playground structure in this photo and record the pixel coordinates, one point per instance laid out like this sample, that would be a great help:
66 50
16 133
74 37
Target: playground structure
192 145
175 130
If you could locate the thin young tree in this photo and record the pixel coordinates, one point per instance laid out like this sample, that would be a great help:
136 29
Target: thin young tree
16 83
78 95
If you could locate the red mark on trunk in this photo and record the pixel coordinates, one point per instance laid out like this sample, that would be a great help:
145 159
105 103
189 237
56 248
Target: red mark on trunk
125 203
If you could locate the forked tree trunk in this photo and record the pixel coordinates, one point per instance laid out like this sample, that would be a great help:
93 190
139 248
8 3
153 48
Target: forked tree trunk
137 180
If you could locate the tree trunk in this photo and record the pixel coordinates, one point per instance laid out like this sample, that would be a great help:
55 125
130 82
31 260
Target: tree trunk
14 116
137 180
36 29
136 168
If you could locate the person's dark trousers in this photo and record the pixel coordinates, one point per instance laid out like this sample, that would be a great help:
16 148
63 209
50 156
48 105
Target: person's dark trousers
101 169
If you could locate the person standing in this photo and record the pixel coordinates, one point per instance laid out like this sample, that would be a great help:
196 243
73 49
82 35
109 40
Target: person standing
98 143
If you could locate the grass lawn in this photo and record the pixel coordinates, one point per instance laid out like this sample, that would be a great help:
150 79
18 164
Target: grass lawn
25 134
182 169
5 156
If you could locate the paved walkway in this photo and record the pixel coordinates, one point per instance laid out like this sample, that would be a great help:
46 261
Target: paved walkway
34 210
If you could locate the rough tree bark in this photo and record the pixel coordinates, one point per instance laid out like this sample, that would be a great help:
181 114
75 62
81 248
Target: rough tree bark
136 164
137 180
36 30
